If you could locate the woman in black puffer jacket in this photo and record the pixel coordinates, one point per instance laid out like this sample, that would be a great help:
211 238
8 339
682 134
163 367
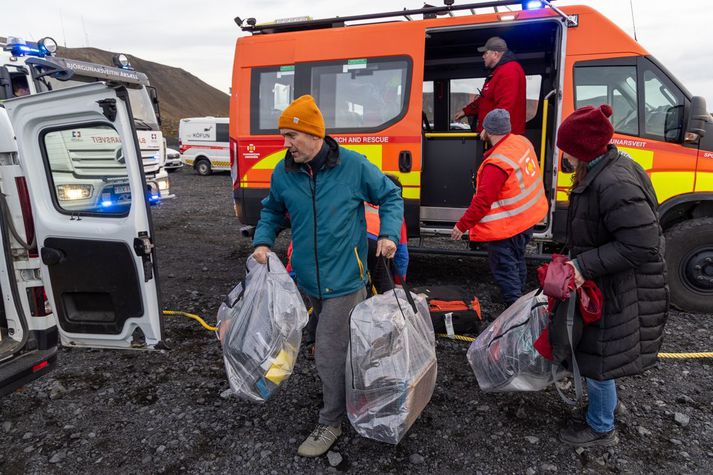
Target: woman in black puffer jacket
615 239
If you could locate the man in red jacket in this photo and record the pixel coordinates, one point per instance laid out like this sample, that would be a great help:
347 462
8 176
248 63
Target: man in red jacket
509 201
504 87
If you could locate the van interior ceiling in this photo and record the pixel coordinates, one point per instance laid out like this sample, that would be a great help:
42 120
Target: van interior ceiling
453 73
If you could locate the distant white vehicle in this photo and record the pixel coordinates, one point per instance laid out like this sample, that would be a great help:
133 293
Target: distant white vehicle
173 159
204 144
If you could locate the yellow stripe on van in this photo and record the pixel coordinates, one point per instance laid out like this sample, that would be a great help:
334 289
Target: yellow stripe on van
704 181
645 158
562 196
411 193
371 152
269 162
668 184
407 179
564 180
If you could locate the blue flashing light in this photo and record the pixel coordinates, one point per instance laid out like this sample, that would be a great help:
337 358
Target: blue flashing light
532 5
27 50
107 203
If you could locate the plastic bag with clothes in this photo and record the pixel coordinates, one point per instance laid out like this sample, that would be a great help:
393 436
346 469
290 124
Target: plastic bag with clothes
391 365
503 356
264 319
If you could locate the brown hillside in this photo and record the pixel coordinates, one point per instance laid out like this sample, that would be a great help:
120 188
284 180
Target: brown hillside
181 94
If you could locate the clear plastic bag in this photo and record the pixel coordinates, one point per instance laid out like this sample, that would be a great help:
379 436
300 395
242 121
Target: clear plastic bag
391 365
263 338
503 356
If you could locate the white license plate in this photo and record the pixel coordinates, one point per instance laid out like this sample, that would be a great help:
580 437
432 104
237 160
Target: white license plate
120 189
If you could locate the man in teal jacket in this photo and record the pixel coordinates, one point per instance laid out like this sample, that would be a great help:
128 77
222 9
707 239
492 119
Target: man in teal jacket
323 187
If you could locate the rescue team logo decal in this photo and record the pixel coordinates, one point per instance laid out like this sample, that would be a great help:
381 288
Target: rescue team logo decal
530 167
251 153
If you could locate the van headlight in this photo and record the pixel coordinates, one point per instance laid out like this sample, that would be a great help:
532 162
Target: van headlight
162 184
74 192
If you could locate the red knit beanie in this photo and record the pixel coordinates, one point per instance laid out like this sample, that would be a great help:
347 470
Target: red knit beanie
586 133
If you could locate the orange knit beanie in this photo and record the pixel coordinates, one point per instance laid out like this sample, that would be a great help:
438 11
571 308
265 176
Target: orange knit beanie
303 115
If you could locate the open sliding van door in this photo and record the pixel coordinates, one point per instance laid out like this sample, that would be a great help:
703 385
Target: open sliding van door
80 156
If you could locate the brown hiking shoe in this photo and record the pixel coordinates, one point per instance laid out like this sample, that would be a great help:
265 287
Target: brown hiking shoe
319 441
581 435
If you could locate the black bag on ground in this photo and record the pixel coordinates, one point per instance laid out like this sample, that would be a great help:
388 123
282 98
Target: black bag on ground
459 301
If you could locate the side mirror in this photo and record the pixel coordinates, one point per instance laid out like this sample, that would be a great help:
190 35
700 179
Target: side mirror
153 94
697 119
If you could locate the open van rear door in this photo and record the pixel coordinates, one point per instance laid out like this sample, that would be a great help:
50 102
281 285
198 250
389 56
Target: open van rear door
80 156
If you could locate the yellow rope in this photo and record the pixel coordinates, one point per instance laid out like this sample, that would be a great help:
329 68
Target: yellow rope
193 316
686 355
443 335
660 355
456 337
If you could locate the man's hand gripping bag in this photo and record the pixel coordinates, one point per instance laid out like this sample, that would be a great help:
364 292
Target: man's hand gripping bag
391 364
265 330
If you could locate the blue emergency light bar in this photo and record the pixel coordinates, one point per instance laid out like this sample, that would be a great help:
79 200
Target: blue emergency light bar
19 47
533 5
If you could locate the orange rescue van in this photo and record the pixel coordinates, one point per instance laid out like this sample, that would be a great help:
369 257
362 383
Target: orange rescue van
389 85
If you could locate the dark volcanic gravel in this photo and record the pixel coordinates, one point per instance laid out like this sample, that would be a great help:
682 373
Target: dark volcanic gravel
168 411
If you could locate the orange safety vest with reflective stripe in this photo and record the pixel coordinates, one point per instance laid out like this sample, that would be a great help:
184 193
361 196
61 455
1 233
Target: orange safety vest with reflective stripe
373 223
521 202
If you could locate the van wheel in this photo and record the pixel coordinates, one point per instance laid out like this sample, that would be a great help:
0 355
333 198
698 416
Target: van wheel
689 258
203 167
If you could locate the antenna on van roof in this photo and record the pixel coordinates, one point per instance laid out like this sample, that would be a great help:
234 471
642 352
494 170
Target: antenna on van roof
633 21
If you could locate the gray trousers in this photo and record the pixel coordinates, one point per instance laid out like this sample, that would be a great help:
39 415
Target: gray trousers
331 345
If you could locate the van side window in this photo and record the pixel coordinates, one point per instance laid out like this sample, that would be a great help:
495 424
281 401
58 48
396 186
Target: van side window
273 90
663 108
363 94
462 93
221 133
613 85
428 105
87 170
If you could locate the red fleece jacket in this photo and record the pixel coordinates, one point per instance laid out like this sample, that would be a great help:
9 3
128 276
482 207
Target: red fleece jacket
504 89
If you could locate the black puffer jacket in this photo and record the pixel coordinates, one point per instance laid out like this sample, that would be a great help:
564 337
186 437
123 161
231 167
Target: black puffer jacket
615 236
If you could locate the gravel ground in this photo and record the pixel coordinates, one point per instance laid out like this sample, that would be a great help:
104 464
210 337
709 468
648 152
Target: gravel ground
168 411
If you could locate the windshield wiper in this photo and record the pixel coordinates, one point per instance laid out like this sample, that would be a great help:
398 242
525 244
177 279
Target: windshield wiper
142 124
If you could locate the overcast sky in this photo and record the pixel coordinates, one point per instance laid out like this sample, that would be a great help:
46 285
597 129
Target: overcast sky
199 36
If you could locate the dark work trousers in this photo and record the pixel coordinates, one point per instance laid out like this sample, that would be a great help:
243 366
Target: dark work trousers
331 352
507 263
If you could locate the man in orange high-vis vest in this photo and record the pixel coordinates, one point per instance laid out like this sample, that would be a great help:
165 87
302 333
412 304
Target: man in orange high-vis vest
509 200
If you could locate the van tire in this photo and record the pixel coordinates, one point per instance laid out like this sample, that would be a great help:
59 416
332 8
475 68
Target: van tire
202 167
689 259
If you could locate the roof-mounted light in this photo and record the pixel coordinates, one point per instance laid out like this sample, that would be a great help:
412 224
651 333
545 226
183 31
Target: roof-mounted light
121 61
533 4
19 47
47 45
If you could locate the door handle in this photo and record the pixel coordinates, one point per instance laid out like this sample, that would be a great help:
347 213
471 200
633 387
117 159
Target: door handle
405 161
51 256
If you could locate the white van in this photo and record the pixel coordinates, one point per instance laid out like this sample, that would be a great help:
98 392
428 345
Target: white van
81 272
204 145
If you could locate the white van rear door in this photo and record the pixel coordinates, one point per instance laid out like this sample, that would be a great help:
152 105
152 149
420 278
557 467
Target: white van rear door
92 220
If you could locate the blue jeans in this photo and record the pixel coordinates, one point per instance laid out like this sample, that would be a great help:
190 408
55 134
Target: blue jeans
507 263
602 404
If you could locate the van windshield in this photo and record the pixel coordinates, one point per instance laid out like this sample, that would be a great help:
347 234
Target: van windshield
141 107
